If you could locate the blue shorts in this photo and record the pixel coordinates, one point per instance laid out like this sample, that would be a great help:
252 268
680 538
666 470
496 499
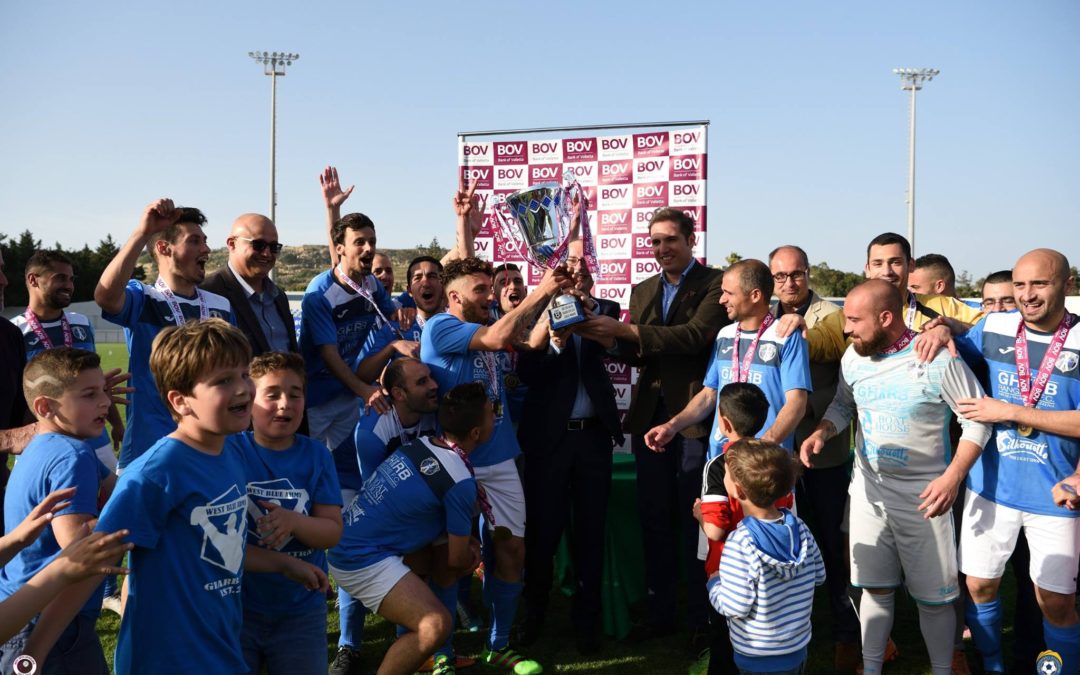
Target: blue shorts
289 642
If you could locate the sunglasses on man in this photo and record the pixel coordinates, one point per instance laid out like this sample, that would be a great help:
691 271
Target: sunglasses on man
261 245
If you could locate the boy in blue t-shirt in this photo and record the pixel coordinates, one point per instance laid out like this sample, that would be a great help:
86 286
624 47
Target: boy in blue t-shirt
66 391
425 489
184 502
175 240
294 506
83 558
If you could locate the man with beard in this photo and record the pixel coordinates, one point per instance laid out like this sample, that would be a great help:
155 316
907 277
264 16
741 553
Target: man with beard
50 282
569 426
460 347
1020 481
902 484
175 239
262 309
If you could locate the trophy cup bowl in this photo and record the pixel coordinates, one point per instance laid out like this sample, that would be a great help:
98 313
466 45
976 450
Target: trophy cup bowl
538 222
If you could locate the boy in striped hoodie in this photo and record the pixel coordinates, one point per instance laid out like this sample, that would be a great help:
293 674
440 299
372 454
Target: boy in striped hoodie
770 565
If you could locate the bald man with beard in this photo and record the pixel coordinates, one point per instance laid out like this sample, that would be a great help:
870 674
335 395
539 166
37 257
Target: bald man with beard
262 309
904 480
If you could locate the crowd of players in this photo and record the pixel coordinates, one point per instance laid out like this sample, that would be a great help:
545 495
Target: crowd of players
401 444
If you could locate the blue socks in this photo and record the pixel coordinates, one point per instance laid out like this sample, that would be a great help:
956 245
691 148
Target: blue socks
448 597
351 613
1066 642
504 600
984 620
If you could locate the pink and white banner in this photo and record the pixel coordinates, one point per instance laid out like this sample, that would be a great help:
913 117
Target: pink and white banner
626 177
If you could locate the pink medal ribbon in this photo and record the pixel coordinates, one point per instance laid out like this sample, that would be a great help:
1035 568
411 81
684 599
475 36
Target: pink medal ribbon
174 306
1030 391
35 325
742 371
903 341
365 294
481 493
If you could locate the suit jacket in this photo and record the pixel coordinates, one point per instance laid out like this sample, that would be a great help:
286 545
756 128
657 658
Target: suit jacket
672 354
824 377
223 282
553 380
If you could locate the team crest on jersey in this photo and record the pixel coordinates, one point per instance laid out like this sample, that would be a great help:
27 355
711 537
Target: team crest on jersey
766 352
429 466
1048 663
79 333
222 525
279 492
1067 362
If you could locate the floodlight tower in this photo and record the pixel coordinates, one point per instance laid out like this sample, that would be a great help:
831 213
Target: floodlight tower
912 79
274 64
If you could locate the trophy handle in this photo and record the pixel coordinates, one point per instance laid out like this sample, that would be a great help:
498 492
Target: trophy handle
500 214
574 189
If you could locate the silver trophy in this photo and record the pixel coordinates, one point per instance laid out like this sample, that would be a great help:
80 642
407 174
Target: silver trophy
537 222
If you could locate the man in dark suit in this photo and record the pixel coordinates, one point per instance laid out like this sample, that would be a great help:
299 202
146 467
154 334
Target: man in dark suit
261 308
569 426
675 317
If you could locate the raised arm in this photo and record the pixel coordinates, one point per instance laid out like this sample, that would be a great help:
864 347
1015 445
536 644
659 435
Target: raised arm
469 212
109 293
333 198
506 331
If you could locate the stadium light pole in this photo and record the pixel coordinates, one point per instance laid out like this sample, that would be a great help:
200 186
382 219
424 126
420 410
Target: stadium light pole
912 79
274 64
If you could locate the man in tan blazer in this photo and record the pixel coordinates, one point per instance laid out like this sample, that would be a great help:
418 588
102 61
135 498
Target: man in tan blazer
674 316
822 489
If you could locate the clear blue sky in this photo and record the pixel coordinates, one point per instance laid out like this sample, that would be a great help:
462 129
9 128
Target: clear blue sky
107 106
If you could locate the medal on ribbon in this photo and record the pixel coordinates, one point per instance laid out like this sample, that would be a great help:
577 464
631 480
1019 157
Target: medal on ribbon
1032 390
174 305
741 370
366 295
42 336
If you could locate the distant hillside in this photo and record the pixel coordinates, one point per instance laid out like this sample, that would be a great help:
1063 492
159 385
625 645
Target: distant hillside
298 264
